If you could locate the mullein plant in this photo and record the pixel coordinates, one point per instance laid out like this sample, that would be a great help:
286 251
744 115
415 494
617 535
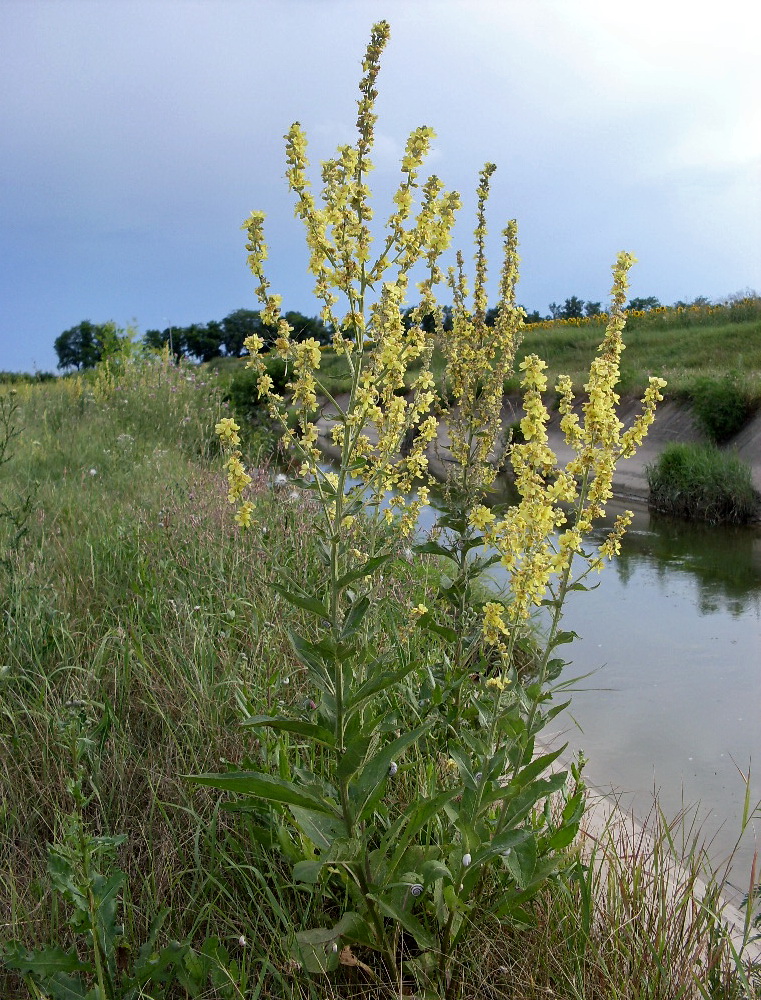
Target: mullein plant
415 826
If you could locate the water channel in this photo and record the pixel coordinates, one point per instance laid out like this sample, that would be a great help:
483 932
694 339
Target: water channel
671 641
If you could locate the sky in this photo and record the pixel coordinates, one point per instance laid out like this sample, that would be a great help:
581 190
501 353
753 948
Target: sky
137 135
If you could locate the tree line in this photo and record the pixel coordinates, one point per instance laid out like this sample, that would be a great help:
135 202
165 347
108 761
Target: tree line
85 344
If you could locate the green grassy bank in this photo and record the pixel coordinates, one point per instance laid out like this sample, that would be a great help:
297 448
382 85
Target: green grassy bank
138 630
681 345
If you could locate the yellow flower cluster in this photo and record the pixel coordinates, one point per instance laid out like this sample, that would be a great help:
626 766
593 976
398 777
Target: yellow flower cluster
237 477
480 357
494 628
526 536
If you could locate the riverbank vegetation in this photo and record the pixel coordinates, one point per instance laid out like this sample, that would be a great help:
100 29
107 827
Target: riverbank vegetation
700 482
137 622
255 743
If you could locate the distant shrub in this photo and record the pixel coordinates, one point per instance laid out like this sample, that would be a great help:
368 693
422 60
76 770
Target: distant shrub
700 482
23 378
721 406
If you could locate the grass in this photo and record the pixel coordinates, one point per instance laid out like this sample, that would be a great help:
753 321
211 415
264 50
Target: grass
134 595
700 482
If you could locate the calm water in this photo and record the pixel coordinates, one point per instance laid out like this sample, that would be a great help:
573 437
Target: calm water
673 635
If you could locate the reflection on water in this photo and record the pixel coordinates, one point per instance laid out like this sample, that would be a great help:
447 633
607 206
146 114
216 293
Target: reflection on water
725 564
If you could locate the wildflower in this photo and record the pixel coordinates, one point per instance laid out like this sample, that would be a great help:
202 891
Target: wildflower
494 626
497 683
227 430
481 517
93 472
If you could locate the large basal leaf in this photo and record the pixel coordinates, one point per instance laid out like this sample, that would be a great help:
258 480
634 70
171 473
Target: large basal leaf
424 939
317 950
43 962
267 787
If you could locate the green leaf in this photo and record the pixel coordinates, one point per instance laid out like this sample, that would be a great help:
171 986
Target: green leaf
529 796
344 851
499 845
415 817
376 683
300 728
423 937
376 769
308 871
563 837
433 870
267 787
352 927
562 637
434 549
321 829
44 962
314 949
365 570
303 601
314 656
354 756
521 862
463 765
426 621
535 768
355 616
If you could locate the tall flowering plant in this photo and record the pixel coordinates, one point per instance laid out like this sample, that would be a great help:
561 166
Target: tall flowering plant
410 792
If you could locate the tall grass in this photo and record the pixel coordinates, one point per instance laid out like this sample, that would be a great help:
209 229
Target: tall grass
700 482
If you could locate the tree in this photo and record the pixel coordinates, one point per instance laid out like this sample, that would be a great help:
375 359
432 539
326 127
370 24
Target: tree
84 345
573 308
203 341
238 325
592 308
643 305
173 337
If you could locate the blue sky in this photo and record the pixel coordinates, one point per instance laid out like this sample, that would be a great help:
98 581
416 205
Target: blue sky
136 135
